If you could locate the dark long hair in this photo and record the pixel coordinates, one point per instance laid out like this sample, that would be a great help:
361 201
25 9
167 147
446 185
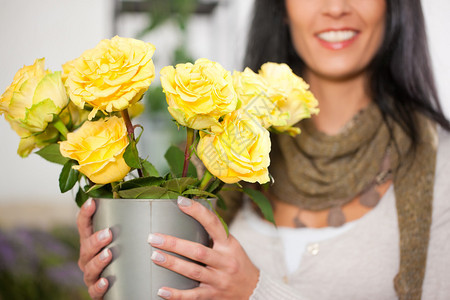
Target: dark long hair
401 77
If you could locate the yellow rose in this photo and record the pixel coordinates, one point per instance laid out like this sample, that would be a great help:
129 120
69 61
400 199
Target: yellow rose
112 76
259 99
297 100
136 110
66 69
198 94
30 103
238 150
99 147
73 116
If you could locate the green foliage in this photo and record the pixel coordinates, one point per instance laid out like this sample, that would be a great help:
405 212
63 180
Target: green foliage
162 11
131 155
68 177
52 154
262 202
141 182
219 216
81 197
156 101
197 192
148 192
180 184
149 169
175 159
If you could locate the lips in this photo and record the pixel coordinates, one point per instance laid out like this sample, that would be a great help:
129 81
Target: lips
337 39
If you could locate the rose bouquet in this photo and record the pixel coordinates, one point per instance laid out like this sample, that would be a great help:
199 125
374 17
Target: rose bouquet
80 117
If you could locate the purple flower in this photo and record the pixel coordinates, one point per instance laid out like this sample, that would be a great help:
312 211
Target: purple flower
7 253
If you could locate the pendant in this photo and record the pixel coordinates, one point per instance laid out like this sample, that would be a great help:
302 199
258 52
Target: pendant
336 217
370 197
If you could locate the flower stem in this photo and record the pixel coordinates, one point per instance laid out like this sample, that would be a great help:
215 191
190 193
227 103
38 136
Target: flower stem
187 150
130 131
130 128
205 180
114 190
61 127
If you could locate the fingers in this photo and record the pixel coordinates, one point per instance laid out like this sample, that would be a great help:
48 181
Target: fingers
92 245
95 266
205 217
196 293
84 219
194 251
98 290
183 267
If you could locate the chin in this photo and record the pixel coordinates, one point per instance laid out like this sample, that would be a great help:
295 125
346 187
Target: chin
337 73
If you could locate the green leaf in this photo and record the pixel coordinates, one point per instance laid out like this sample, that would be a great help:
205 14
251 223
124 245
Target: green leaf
68 176
149 169
225 226
175 159
95 187
170 195
131 156
197 192
180 184
52 154
81 197
216 186
221 203
99 191
141 182
146 192
262 202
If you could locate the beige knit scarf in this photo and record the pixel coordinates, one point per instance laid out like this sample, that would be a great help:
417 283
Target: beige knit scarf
315 171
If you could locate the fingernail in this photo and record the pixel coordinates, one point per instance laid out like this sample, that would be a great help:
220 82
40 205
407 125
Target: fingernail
103 235
102 283
158 257
164 293
104 254
155 239
88 203
184 202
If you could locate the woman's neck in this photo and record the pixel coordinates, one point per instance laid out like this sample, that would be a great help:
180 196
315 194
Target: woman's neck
339 101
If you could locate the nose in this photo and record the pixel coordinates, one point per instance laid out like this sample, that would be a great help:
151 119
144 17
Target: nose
336 8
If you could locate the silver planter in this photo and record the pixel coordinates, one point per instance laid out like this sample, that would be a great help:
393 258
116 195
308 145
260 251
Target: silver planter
132 274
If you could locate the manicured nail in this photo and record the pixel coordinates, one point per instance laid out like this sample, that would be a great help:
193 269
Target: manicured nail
155 239
158 257
88 203
102 283
164 293
104 254
104 234
184 202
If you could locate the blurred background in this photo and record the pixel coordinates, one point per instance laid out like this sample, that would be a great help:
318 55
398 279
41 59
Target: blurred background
33 213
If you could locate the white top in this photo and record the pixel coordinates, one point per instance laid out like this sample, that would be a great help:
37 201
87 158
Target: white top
295 241
359 263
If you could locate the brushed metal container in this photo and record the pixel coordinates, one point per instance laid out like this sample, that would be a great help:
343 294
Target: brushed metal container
132 274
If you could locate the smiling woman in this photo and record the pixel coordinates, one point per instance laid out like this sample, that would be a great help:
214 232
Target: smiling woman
336 39
360 197
371 163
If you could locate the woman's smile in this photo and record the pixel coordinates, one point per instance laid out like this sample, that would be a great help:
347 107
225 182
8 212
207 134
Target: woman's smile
336 39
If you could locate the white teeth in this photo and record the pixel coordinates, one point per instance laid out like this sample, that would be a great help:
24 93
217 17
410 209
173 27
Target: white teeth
337 36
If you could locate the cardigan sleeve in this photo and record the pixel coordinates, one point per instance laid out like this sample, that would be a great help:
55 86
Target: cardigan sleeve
269 288
437 273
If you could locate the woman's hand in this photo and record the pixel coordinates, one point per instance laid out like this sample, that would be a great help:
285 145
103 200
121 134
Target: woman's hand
228 272
92 261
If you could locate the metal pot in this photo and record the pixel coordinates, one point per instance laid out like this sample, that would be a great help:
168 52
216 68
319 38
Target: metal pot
132 274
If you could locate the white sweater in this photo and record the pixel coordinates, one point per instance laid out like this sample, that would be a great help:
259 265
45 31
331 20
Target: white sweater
357 263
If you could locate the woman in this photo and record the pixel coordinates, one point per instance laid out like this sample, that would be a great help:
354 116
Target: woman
359 197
